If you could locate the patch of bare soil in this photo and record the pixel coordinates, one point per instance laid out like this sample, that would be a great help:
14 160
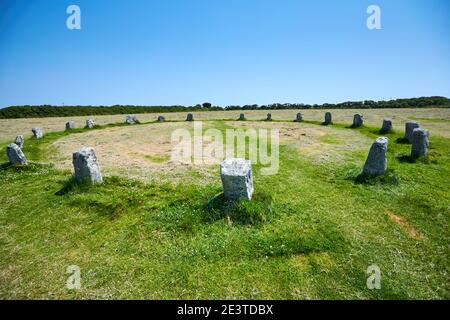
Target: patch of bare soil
412 232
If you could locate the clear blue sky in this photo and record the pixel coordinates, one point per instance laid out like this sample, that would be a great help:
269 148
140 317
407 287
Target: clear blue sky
164 52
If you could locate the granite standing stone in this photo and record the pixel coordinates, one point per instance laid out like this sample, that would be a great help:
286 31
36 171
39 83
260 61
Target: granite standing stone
70 125
298 118
386 126
90 123
328 118
376 163
161 119
409 128
269 117
241 117
131 119
420 142
190 117
86 166
37 132
19 141
237 179
357 121
15 155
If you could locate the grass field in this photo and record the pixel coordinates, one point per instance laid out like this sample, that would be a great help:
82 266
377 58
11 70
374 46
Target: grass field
147 232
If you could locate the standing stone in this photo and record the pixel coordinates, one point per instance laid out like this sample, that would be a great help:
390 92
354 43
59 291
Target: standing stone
70 125
19 141
161 119
241 117
328 118
237 179
269 117
420 142
298 118
15 155
386 126
357 121
376 163
86 166
90 123
190 117
131 119
37 132
409 128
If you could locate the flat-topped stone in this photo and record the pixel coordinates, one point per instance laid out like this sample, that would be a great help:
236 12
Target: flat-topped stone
237 179
409 128
241 117
386 126
90 123
420 143
15 155
37 133
86 167
376 163
357 121
70 125
19 141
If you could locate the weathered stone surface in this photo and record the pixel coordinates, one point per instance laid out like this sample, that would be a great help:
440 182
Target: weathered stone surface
86 166
386 126
237 179
19 141
357 121
409 128
70 125
90 123
420 142
269 117
161 119
241 117
298 118
37 132
15 155
328 118
131 119
190 117
376 163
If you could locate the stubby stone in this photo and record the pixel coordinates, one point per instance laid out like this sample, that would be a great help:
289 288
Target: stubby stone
90 123
241 116
15 155
237 179
376 163
328 118
409 128
298 118
70 125
19 141
357 121
86 166
386 126
131 119
161 119
37 132
269 117
420 142
190 117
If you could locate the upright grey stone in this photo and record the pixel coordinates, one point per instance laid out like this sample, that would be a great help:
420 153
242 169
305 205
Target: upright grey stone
420 142
70 125
242 117
269 117
86 166
37 132
298 118
328 118
131 119
19 141
409 128
190 117
161 119
376 163
15 155
237 179
386 126
90 123
357 121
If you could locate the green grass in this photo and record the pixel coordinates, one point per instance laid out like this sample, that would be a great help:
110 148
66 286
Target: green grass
311 232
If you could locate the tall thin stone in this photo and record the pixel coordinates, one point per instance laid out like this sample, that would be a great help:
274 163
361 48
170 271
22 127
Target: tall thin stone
328 118
86 166
420 143
190 117
237 179
386 126
376 162
298 118
19 141
37 132
15 155
409 128
357 121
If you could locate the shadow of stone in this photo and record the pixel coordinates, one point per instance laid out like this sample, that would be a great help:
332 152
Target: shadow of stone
402 140
71 184
389 178
5 166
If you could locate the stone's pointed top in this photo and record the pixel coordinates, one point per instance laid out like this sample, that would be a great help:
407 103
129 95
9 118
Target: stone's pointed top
235 167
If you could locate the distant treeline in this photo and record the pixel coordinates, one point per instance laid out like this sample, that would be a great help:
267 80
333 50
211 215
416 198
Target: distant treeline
71 111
